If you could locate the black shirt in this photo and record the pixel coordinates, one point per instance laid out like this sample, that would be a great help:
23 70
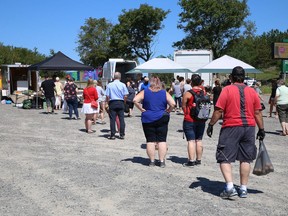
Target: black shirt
48 87
216 92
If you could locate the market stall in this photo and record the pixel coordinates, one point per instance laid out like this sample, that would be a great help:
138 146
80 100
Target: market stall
57 62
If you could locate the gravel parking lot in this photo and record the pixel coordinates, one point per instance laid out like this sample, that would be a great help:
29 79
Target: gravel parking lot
50 166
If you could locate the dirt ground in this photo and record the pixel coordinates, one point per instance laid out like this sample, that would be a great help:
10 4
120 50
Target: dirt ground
50 166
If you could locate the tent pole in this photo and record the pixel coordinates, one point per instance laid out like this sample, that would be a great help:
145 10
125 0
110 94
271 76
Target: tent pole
37 88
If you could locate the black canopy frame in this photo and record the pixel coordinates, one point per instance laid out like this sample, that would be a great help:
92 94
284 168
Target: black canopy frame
57 62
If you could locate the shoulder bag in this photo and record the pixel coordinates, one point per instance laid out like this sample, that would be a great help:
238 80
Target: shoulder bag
94 104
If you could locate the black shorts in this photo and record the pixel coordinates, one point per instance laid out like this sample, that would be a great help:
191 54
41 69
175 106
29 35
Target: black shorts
282 112
156 131
236 143
130 104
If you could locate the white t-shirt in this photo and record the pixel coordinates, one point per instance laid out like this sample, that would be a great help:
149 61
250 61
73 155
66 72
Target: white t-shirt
282 95
101 94
187 87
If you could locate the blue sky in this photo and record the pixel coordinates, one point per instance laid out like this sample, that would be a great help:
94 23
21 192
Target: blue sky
55 24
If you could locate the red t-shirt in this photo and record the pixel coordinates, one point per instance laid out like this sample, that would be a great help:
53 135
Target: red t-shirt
229 102
89 94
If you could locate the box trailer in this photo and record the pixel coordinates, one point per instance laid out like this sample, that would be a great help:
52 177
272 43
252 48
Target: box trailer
194 60
117 65
16 77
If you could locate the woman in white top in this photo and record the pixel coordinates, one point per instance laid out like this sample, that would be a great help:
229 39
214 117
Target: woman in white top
59 91
101 100
187 85
282 106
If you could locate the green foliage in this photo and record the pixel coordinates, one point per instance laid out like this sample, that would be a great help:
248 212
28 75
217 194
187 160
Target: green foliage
94 41
10 55
266 78
266 89
134 35
209 24
257 50
166 78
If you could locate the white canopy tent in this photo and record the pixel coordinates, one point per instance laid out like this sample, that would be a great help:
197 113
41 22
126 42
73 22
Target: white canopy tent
225 64
160 65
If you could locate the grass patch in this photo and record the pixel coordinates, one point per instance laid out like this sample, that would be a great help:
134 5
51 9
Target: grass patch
265 78
266 89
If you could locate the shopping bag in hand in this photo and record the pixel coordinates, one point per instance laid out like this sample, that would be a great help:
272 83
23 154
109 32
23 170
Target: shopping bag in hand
263 164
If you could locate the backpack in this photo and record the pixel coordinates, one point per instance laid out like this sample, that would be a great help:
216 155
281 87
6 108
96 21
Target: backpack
201 106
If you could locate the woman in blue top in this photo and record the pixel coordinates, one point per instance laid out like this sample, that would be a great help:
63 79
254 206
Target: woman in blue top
155 108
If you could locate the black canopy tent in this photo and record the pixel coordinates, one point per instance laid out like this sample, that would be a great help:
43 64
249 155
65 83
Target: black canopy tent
57 62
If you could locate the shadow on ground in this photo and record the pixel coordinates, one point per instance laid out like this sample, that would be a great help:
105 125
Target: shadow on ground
178 160
277 132
214 187
138 160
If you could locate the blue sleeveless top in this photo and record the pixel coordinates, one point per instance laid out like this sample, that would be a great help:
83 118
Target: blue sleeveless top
155 104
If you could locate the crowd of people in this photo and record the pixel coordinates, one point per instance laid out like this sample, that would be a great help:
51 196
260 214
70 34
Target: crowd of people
236 104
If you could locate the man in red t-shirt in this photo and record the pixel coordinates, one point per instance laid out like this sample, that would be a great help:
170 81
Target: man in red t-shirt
241 110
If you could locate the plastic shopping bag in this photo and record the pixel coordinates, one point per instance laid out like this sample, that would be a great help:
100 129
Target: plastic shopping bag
263 164
57 101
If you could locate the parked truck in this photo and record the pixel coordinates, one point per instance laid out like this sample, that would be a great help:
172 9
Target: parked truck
194 60
117 65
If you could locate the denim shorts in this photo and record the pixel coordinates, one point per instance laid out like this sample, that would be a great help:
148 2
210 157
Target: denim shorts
193 130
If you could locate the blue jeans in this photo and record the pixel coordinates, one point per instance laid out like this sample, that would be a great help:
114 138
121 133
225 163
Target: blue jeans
73 105
178 100
116 108
193 130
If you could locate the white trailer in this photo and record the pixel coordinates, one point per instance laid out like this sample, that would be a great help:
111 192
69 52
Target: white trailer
16 77
194 60
117 65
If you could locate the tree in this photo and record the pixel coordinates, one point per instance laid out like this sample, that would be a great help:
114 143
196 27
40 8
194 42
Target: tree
52 52
257 50
244 47
264 47
210 24
10 55
135 34
93 42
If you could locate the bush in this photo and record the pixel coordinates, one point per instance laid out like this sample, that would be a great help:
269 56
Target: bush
266 89
266 78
